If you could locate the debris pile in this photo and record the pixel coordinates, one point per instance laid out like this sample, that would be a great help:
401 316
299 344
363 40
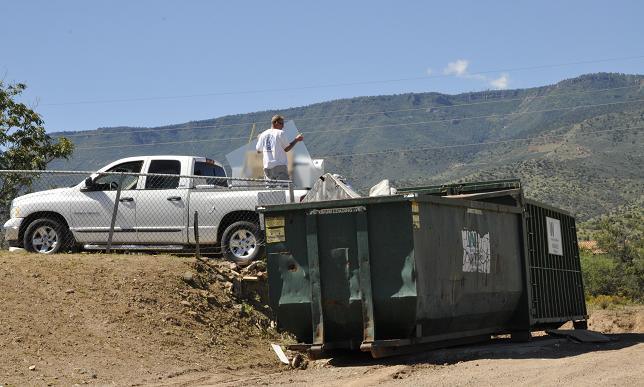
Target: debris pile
217 286
224 285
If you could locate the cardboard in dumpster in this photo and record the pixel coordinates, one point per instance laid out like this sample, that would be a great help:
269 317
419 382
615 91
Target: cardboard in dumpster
330 187
246 163
383 188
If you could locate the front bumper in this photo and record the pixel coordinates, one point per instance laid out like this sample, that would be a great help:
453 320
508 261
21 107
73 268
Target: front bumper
12 229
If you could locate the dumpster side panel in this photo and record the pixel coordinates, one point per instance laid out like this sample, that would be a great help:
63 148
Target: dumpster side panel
339 276
288 281
393 276
468 262
555 267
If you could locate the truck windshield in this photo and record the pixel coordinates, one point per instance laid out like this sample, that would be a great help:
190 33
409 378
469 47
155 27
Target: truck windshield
208 169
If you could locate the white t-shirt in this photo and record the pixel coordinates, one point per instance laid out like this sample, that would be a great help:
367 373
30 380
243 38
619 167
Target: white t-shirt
272 143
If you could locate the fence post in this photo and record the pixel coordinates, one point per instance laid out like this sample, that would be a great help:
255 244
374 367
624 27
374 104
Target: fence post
114 212
291 194
196 230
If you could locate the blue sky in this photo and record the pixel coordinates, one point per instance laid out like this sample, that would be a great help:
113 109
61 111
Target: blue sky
125 57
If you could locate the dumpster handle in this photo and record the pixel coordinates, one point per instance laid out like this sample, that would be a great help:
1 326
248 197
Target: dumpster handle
368 330
314 277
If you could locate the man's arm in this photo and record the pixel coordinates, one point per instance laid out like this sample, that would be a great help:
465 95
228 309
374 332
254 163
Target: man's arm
297 139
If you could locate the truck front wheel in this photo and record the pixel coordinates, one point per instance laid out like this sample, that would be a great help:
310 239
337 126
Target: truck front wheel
45 236
241 242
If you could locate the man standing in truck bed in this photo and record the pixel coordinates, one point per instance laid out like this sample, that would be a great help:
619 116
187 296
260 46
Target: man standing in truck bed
274 145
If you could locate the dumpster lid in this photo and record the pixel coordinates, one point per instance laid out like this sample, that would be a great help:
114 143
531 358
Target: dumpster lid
483 195
334 203
464 188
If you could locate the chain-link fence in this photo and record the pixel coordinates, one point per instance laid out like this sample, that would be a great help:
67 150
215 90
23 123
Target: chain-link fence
59 211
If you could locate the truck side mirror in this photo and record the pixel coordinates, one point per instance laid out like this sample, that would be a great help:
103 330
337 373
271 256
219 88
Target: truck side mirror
89 183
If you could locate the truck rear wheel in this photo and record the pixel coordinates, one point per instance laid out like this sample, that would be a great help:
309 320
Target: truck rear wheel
241 242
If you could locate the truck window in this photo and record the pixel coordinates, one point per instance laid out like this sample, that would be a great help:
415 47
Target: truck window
209 169
110 182
170 167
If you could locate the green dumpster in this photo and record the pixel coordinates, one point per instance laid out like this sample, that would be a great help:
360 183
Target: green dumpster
384 274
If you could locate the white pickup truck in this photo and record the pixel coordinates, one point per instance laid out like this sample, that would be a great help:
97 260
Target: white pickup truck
154 212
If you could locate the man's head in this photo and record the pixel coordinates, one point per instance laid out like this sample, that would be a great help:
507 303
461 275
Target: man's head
277 122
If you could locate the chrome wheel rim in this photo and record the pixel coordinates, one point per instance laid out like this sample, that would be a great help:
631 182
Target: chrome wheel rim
242 243
44 240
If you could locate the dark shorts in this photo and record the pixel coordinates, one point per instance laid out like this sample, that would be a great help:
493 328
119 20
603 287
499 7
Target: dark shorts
278 172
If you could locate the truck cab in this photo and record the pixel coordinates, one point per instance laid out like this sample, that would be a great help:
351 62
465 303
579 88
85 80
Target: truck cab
148 205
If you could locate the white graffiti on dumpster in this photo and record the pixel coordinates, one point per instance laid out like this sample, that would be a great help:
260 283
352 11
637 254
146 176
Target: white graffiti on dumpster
476 252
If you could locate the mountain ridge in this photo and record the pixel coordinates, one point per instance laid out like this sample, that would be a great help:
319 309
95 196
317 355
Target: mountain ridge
577 125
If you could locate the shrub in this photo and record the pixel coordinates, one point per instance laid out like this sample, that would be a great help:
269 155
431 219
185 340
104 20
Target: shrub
608 302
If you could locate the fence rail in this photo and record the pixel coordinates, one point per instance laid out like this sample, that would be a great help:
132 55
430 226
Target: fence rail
56 211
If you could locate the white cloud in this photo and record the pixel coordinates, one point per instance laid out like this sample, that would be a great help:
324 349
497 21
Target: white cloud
500 82
430 71
458 68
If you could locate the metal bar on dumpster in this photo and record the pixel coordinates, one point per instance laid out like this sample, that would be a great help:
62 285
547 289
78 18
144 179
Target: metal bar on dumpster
573 266
114 212
547 263
568 253
562 287
368 327
314 278
527 277
575 258
580 301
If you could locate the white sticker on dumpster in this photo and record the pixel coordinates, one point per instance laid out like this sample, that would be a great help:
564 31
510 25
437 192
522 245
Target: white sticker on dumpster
476 252
554 236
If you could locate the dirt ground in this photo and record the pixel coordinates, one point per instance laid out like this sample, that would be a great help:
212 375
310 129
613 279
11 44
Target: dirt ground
121 319
143 320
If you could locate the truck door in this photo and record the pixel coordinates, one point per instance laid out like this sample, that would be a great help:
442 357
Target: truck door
162 205
211 198
92 208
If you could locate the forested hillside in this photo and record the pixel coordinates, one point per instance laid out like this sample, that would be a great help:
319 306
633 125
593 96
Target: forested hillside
576 144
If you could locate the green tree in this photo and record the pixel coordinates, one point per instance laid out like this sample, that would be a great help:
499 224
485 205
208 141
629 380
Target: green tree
620 236
24 144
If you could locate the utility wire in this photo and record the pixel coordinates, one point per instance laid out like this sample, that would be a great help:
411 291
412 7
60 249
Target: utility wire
408 124
475 143
371 153
502 100
476 164
162 143
472 118
332 85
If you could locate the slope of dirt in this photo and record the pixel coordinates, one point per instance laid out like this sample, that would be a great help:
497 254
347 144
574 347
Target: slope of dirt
164 320
122 319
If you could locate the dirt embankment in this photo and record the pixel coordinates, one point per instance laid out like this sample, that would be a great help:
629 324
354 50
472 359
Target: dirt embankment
163 320
122 319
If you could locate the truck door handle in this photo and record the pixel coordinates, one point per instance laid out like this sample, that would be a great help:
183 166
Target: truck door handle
126 199
174 198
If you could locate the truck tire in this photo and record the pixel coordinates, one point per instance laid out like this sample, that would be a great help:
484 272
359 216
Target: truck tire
46 236
241 242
